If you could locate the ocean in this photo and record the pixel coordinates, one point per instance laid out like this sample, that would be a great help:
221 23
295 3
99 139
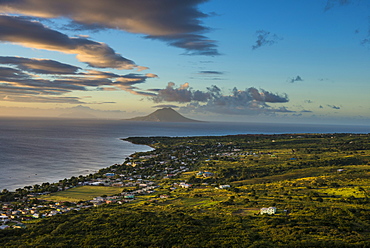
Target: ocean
34 151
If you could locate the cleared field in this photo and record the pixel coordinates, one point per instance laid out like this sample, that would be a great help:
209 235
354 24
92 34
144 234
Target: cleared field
82 193
345 192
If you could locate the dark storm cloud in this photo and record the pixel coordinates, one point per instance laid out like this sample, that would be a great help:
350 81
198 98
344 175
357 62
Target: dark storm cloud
241 102
296 79
35 35
177 23
265 38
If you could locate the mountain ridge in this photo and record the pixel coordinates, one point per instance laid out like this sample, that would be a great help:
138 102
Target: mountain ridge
163 115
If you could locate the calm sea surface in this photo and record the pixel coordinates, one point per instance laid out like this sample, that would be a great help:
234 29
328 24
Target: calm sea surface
33 151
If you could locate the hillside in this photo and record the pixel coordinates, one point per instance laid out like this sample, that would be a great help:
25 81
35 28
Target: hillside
164 115
210 191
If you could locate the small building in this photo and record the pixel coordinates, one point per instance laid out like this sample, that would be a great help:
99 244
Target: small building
129 197
224 186
270 210
205 174
2 227
19 225
4 218
185 185
119 184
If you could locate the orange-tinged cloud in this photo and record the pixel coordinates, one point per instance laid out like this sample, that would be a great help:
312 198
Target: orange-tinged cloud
159 17
35 35
176 22
18 83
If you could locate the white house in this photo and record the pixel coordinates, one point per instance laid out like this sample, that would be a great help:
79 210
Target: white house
270 210
185 185
4 218
224 186
2 227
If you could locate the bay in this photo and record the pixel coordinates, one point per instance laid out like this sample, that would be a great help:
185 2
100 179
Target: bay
33 151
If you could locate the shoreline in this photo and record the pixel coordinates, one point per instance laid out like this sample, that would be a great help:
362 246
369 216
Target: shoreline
192 163
131 140
88 171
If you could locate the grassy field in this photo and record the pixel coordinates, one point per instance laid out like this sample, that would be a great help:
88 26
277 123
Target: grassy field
82 193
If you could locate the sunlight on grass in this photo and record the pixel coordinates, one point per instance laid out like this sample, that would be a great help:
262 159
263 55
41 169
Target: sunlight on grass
82 193
344 192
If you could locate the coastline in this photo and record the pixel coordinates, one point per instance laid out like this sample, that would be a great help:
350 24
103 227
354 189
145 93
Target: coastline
231 175
130 140
35 151
83 172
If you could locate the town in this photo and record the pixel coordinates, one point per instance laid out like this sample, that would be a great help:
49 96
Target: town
255 184
138 175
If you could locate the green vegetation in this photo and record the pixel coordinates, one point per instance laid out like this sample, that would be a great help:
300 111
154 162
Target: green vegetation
83 193
211 189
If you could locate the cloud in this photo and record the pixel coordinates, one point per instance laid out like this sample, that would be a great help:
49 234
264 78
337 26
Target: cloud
39 66
181 94
10 73
366 41
332 3
265 38
165 106
127 83
263 96
53 79
333 106
177 23
193 44
80 111
212 73
239 102
296 79
35 35
41 99
323 79
208 75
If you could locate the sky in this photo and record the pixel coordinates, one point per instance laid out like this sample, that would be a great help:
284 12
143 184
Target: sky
237 61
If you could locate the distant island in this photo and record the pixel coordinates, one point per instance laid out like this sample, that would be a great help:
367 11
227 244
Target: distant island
163 115
78 115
